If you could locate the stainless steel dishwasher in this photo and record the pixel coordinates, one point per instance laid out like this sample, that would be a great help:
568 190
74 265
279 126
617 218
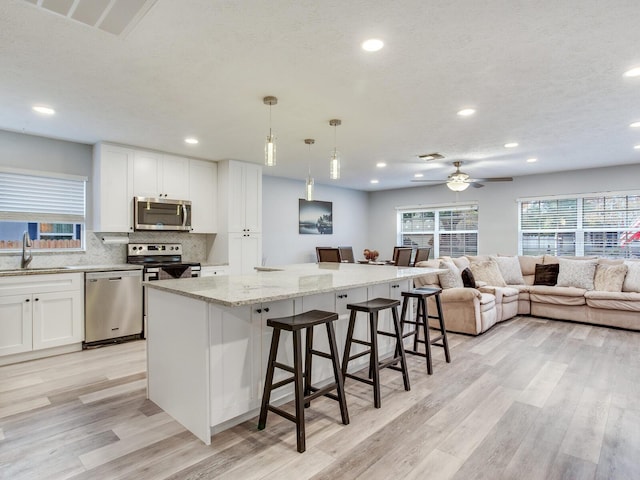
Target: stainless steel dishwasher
113 305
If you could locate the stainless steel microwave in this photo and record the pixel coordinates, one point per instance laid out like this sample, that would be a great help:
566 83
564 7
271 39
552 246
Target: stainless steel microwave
161 214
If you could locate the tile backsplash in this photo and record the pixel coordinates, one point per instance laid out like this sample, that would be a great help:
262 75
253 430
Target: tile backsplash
194 247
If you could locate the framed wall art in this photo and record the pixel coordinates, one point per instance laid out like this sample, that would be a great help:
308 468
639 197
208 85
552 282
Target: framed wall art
315 217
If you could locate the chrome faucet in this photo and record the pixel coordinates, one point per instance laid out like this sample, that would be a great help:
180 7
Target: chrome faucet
26 256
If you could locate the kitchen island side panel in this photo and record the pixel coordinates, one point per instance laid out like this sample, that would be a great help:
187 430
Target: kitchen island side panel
178 359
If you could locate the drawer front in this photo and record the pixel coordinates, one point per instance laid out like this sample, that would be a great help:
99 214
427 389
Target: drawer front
57 282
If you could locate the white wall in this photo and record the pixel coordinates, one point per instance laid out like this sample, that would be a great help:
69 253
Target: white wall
497 207
281 242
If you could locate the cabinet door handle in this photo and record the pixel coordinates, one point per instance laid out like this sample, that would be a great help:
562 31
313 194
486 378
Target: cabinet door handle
28 300
36 299
258 310
266 309
395 286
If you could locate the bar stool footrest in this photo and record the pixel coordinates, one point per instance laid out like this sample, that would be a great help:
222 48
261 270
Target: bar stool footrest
358 378
282 413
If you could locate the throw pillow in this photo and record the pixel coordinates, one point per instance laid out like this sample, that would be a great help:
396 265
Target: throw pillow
489 272
609 278
546 274
576 273
632 280
510 270
451 278
467 278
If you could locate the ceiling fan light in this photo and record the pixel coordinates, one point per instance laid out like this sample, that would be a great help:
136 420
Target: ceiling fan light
457 186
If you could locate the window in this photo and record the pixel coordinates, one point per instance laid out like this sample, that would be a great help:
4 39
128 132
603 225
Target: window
606 225
50 207
449 230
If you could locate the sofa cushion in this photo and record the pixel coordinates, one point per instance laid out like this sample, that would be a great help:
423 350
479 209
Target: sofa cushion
510 270
632 280
609 278
452 277
557 295
547 259
576 273
430 278
467 278
478 258
546 274
461 262
488 271
528 263
629 301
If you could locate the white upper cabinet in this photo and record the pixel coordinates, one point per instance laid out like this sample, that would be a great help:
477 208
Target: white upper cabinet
112 188
203 191
159 175
244 201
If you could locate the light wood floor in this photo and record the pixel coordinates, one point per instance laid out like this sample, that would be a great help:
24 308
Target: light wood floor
530 399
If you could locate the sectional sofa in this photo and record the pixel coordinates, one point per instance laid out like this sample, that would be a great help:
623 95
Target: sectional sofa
582 289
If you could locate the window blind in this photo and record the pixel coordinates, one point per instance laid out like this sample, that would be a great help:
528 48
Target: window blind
449 230
41 198
592 224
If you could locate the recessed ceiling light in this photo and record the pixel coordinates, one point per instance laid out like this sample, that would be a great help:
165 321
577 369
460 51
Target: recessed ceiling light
637 147
466 112
381 164
374 181
372 45
418 175
635 125
511 145
634 72
44 110
191 141
532 160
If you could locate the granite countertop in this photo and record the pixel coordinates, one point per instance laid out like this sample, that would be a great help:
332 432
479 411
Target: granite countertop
284 282
67 269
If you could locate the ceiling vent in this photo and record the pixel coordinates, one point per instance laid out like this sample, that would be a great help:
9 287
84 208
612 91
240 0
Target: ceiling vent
431 156
117 17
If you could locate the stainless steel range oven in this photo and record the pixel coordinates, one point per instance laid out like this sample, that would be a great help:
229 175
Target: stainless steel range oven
161 261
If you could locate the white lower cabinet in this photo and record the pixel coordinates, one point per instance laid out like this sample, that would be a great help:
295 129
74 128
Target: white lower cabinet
15 324
212 271
40 311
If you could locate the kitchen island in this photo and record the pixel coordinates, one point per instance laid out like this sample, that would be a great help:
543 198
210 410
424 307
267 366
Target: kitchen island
207 339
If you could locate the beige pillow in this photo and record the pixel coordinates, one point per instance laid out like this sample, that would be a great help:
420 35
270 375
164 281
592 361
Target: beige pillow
510 270
528 263
452 278
431 278
609 278
632 280
576 273
488 271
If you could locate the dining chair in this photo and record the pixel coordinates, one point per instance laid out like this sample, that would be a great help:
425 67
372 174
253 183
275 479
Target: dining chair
328 254
346 255
402 256
422 254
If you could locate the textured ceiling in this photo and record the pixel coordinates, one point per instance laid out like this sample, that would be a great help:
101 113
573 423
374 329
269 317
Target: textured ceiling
547 74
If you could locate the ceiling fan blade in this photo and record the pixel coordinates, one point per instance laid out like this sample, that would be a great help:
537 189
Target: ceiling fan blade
476 184
428 181
494 179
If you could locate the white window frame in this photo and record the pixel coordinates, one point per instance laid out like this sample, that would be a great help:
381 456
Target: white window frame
580 230
28 196
436 232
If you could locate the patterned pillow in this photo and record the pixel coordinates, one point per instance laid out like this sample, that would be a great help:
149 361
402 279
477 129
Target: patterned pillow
632 280
451 278
609 278
467 278
488 272
576 273
546 274
510 270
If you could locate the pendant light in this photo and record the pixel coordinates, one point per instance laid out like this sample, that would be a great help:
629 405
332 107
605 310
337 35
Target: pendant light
309 185
270 144
334 160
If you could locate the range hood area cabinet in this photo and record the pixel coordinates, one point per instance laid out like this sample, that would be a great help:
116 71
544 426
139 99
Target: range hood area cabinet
120 173
239 238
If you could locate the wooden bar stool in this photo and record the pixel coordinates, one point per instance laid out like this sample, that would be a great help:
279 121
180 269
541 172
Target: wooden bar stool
373 307
303 390
422 321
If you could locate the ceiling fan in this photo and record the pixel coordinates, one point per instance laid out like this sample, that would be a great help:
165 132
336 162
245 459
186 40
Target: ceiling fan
459 181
